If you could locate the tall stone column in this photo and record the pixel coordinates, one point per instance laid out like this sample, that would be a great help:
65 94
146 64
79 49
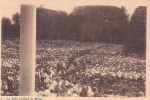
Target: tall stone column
27 50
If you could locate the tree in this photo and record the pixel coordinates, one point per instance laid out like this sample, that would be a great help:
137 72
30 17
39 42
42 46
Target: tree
51 22
137 31
6 27
16 25
123 26
107 24
100 23
16 18
11 28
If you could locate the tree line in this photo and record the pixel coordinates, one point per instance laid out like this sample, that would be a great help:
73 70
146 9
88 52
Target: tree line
104 24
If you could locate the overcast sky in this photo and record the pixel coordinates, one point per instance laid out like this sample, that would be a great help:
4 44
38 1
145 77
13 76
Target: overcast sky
9 7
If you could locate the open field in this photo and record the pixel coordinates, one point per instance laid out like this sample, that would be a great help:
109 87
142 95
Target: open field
67 68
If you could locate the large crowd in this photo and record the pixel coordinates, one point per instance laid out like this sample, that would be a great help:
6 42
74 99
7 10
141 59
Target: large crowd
66 68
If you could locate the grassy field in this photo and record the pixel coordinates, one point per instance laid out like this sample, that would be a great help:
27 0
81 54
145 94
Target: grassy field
67 68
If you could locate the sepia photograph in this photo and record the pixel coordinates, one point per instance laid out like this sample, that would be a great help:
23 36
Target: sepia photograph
76 50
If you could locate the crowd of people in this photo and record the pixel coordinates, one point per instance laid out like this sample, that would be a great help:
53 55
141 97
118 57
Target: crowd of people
66 68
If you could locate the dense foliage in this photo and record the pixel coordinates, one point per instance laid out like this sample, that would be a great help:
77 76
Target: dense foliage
105 24
136 38
11 28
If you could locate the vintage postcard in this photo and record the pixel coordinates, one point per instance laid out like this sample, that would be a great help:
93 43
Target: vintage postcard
75 49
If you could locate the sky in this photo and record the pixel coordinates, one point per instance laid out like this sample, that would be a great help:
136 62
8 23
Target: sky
9 7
